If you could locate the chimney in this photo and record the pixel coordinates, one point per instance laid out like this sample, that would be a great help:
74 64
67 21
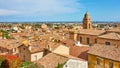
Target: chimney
49 47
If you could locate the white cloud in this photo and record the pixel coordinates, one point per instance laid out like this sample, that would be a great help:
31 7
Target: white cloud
40 7
8 12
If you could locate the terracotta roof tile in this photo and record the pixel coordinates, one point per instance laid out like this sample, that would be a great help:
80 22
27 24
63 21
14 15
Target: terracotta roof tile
40 45
79 51
37 46
110 52
91 32
114 30
68 42
51 60
115 36
8 44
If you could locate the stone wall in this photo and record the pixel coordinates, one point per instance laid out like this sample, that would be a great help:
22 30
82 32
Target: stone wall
84 39
24 53
112 42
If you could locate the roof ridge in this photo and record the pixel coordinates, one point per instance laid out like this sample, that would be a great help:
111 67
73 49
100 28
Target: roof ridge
59 54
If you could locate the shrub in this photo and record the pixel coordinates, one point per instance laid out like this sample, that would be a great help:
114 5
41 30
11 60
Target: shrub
10 61
60 65
29 65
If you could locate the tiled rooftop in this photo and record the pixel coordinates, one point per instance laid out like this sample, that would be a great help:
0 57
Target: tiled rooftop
114 36
110 52
51 60
91 32
79 51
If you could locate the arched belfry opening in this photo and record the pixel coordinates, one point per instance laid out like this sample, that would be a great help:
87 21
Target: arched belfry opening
87 24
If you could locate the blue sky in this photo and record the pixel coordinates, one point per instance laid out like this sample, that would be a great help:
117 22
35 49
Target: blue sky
58 10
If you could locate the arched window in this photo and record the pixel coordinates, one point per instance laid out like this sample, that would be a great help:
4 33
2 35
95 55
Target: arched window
88 40
80 39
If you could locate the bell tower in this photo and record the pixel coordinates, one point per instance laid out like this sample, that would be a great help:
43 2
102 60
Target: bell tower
87 24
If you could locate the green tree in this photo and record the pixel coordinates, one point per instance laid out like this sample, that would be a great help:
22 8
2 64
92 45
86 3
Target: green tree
5 34
5 64
9 25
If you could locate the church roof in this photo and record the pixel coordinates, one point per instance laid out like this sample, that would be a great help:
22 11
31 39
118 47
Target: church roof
91 32
87 16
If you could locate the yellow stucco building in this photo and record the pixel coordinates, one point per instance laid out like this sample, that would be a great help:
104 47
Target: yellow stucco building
104 56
